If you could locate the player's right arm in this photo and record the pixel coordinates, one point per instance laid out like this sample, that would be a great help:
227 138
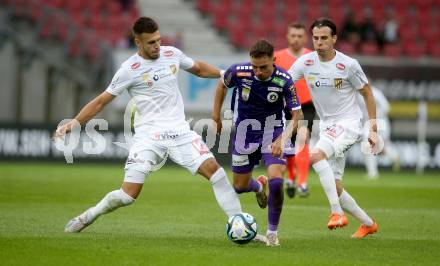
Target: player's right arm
296 70
89 111
227 80
121 81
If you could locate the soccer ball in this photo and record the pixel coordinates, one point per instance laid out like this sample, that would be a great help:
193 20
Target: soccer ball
241 228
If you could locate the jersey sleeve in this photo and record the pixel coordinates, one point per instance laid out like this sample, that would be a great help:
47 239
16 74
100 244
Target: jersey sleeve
229 78
120 82
356 76
296 70
184 61
291 97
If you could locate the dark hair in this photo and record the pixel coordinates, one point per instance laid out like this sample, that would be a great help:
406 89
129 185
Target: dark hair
144 25
261 48
296 25
324 22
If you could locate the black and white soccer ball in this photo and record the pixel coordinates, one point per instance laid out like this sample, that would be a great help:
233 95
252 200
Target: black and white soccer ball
241 228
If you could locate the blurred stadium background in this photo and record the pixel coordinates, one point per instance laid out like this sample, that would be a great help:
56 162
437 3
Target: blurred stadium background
55 55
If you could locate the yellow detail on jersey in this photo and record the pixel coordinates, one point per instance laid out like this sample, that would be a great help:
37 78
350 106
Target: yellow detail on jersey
338 83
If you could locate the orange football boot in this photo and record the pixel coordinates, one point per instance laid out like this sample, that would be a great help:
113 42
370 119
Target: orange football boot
337 220
364 230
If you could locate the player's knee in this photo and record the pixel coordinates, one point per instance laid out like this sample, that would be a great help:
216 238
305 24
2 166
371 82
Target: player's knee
209 167
339 187
316 156
240 184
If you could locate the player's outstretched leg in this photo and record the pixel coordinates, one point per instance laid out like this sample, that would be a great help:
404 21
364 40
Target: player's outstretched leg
303 163
125 196
109 203
275 203
224 193
368 225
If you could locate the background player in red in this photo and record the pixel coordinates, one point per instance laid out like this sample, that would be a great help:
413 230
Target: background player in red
298 164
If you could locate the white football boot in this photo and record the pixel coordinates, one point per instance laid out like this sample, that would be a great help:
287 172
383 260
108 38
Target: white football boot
272 240
78 223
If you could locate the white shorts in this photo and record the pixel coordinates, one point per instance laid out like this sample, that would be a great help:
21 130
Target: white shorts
149 153
335 138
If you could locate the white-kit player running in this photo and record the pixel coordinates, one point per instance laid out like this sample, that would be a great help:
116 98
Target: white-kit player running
334 79
150 77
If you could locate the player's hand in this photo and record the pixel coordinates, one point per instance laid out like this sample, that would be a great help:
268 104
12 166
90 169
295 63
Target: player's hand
217 125
61 131
276 149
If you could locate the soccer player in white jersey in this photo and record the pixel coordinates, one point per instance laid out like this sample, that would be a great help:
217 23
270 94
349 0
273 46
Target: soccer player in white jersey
384 131
161 131
334 79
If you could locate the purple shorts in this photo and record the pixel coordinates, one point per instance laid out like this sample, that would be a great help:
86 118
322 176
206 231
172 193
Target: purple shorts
247 151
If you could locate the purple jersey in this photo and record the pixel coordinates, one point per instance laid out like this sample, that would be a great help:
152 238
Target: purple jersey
256 99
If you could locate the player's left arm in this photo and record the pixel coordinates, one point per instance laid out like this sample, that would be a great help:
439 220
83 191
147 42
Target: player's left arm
204 70
370 104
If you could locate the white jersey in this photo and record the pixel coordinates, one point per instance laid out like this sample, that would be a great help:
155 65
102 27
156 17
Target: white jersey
382 104
333 84
153 86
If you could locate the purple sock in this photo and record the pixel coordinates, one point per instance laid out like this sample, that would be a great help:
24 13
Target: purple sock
253 186
275 202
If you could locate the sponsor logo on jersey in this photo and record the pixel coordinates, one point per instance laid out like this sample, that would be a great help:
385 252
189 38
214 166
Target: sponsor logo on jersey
274 89
245 93
247 81
272 97
317 84
173 68
135 65
165 136
228 79
244 74
279 73
340 66
240 160
309 62
168 53
279 81
338 83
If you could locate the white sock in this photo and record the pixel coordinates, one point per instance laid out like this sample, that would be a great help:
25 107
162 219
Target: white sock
327 178
271 232
371 165
350 206
225 193
111 201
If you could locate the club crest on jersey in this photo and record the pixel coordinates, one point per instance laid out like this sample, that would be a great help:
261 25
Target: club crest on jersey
245 93
311 81
173 68
272 97
340 66
135 65
309 62
147 79
338 83
168 53
279 81
247 81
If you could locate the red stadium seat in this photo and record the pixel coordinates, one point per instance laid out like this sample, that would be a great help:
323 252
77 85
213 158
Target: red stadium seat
204 6
434 50
369 48
414 50
392 50
346 47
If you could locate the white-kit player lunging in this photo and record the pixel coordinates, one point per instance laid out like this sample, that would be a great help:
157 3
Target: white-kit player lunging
334 79
150 77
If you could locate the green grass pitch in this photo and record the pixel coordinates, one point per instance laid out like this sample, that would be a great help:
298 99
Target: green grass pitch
176 221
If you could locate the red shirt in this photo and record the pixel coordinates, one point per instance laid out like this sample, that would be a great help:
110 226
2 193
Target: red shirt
285 60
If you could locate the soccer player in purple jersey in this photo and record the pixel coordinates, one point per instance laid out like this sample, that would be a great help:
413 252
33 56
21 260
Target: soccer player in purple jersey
262 90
